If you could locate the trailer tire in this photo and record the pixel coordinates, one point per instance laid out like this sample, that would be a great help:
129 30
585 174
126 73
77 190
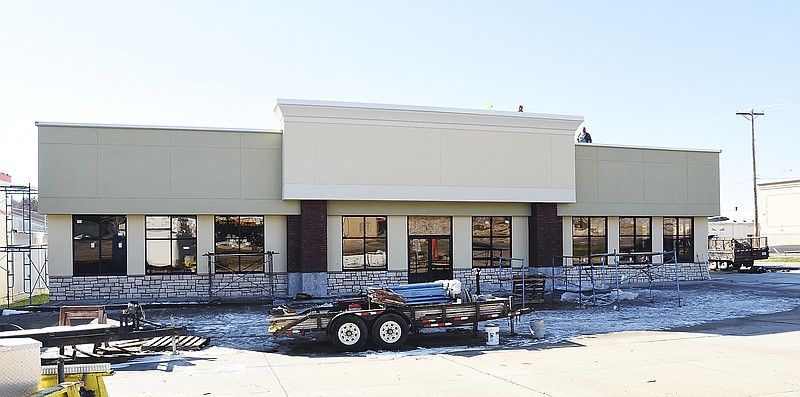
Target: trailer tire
348 333
390 331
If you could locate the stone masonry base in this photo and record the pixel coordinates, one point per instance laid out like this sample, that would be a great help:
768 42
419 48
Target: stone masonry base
192 287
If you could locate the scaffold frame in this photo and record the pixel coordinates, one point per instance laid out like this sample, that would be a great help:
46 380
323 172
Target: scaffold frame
654 271
20 199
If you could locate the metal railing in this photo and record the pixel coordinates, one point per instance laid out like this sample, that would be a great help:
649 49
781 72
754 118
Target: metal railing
265 259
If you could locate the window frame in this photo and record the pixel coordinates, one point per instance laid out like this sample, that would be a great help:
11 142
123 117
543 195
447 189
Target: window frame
252 266
685 251
363 238
493 246
636 259
172 239
118 242
589 237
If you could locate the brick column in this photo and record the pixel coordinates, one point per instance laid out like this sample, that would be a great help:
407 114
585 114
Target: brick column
293 243
544 234
307 246
313 236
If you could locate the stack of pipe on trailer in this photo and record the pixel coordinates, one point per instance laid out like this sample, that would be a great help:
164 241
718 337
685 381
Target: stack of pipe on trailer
421 294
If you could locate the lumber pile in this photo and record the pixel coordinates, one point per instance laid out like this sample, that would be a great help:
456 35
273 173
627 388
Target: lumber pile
385 296
413 294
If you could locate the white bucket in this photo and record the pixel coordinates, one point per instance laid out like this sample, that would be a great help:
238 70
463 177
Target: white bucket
537 328
492 334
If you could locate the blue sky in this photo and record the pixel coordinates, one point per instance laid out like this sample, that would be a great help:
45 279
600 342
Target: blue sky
654 73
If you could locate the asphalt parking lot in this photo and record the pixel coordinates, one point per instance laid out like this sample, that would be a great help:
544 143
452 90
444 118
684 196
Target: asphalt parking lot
733 335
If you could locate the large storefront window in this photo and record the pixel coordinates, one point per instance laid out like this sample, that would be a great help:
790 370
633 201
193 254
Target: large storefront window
171 244
364 243
491 240
635 236
679 236
589 238
239 244
99 245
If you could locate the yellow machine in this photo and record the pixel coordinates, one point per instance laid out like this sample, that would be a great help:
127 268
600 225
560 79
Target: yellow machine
80 380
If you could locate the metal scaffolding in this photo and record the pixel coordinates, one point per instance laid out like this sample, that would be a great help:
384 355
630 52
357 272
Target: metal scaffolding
599 270
17 252
216 265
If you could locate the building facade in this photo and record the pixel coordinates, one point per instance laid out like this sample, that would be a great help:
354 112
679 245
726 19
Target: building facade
347 195
780 215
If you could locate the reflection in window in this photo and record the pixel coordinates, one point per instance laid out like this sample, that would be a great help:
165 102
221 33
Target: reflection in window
491 240
99 245
635 236
429 225
364 243
239 243
171 244
588 238
679 237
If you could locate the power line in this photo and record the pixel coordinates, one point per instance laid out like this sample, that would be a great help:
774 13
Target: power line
752 117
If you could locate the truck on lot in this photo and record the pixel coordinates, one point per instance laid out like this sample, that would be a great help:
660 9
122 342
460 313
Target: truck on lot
726 253
388 319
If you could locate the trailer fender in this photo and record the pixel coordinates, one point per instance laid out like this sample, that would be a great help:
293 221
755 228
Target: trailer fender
404 316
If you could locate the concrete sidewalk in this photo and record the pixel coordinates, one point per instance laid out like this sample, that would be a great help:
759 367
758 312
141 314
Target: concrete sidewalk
755 356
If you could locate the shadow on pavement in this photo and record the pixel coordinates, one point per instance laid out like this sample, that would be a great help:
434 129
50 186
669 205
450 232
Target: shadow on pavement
164 363
764 324
455 341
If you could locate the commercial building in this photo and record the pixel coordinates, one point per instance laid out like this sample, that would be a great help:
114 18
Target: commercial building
348 195
780 214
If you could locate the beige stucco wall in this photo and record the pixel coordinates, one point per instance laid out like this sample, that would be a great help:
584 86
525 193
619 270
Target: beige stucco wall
519 239
275 241
779 216
461 244
136 244
345 151
205 241
700 238
59 248
427 208
627 181
148 170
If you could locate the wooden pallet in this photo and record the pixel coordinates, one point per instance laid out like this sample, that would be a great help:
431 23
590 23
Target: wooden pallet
183 342
534 288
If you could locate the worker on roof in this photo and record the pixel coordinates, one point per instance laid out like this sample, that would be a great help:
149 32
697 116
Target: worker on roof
584 137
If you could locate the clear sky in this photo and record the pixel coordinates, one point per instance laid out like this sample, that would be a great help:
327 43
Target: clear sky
652 73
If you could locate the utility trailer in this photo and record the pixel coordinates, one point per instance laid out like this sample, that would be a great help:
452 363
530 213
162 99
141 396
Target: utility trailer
348 323
725 253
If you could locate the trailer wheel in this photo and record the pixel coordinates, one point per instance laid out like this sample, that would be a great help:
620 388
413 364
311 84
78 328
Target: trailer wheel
348 333
390 331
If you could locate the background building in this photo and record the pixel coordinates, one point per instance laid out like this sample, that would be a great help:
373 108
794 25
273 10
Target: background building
350 195
780 214
23 243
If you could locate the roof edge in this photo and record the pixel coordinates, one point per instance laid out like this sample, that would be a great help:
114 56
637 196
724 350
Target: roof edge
649 147
780 182
414 108
148 127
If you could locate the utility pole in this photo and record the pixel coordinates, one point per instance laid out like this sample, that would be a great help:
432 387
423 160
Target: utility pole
751 115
